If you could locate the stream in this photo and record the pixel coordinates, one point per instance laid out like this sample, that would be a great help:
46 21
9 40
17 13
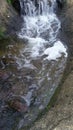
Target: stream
31 70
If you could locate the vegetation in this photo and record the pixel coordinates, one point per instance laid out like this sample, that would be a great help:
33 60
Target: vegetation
2 31
9 1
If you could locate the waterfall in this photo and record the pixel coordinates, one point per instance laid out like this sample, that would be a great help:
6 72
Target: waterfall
41 25
34 7
43 57
38 16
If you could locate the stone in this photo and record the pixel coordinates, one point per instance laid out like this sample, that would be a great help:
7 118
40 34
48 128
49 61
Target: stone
18 103
4 75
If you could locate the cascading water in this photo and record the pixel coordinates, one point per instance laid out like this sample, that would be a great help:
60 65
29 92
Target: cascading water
40 30
38 18
31 68
41 26
34 7
42 61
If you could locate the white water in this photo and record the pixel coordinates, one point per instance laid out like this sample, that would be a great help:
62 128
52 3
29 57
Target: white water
55 52
40 29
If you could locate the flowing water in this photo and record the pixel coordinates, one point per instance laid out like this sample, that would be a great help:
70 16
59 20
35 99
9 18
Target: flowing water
37 64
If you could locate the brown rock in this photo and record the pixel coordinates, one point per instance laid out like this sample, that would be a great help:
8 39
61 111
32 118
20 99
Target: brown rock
18 104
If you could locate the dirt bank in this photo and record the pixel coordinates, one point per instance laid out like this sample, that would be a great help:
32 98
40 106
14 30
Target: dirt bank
60 116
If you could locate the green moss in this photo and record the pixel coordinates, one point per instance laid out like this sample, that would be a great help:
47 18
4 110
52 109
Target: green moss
2 31
9 1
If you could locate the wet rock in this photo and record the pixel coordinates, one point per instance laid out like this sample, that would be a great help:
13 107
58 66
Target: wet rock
18 103
16 5
60 3
30 97
4 75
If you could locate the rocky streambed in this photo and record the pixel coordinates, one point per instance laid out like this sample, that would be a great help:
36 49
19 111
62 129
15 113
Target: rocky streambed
13 78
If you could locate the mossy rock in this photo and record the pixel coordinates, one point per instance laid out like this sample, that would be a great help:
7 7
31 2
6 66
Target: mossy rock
2 32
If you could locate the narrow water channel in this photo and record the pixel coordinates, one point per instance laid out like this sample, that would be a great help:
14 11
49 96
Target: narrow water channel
35 67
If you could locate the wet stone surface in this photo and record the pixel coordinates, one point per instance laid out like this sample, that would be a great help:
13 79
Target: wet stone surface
26 91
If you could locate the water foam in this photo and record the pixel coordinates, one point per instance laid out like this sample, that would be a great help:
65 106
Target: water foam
53 53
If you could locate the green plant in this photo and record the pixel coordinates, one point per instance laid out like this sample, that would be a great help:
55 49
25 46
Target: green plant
2 30
9 1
